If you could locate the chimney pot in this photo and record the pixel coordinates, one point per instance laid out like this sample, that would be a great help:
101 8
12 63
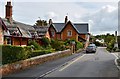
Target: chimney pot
66 19
50 21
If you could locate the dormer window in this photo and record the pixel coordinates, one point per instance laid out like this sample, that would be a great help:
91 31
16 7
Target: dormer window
69 33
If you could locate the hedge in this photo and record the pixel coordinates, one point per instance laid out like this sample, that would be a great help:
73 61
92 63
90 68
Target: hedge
11 54
41 52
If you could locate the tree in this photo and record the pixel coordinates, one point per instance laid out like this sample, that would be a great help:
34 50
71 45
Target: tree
41 23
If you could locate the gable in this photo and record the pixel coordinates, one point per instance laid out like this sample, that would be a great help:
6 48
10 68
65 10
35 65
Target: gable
52 28
67 26
58 26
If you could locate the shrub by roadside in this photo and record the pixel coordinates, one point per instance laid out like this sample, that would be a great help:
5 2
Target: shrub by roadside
79 45
34 45
57 45
12 54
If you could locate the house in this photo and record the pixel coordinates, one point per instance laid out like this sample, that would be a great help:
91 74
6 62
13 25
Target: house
18 33
3 28
69 30
42 31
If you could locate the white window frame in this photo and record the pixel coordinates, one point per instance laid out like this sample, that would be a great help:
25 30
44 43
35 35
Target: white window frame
68 33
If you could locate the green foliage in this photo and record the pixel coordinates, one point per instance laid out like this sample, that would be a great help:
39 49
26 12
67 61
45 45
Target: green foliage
57 45
79 45
12 54
109 40
110 45
46 42
41 52
119 41
41 23
28 52
35 45
98 43
106 37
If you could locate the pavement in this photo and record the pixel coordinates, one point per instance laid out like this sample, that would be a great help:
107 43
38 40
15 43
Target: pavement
117 57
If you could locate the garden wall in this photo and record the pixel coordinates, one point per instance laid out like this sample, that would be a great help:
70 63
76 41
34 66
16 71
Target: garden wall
23 64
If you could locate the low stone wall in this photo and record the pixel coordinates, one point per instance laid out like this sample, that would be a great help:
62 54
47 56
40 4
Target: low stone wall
23 64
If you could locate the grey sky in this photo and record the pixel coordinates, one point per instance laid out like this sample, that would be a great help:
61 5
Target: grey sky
102 16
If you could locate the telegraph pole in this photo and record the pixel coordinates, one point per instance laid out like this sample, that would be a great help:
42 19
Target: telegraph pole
116 41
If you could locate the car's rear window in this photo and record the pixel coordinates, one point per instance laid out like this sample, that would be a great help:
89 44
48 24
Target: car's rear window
90 46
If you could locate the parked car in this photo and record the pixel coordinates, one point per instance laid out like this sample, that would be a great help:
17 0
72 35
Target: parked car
91 48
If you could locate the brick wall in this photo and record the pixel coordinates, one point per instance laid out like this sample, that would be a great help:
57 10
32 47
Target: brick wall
64 35
1 35
50 30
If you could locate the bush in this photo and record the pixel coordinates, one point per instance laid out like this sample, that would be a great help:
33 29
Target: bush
35 45
58 45
79 45
110 45
12 54
46 42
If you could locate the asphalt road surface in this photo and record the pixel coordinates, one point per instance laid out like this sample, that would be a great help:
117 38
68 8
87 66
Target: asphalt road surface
99 64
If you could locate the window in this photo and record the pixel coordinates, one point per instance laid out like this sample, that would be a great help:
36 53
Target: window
69 33
8 40
52 33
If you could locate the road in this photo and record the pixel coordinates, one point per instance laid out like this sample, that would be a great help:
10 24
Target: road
99 64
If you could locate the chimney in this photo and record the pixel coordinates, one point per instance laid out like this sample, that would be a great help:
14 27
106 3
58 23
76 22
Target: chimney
66 19
50 21
8 11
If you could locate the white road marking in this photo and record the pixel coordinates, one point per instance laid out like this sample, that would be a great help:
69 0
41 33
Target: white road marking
114 55
71 63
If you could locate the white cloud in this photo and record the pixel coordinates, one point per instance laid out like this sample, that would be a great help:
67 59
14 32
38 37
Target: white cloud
51 15
103 20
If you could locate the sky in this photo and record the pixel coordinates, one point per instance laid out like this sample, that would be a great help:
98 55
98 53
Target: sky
102 15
